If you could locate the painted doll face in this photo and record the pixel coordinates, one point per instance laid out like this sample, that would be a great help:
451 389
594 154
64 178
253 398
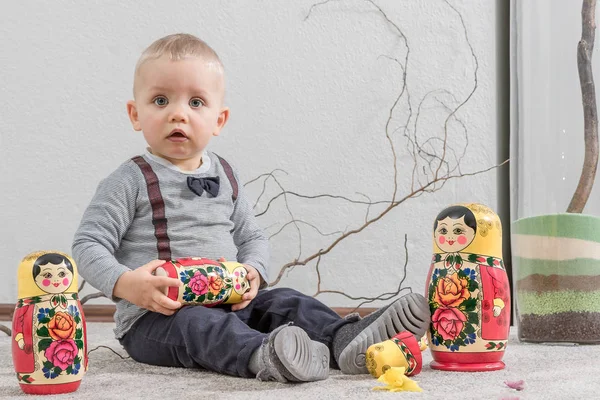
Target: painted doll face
54 278
452 235
240 284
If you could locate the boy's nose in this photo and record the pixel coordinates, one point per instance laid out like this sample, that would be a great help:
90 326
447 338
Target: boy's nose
177 115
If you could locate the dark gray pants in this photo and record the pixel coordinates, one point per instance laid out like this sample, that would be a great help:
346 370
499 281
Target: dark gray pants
221 340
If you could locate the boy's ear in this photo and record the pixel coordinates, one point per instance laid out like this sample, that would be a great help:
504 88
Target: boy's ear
221 121
133 115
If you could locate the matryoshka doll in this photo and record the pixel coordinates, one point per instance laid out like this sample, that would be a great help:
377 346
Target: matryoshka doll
48 331
468 291
205 282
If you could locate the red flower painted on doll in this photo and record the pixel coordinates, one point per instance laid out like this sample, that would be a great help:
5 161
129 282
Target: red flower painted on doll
199 284
215 284
61 353
449 322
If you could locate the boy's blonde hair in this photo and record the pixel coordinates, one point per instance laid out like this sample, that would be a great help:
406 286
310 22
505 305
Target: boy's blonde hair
177 47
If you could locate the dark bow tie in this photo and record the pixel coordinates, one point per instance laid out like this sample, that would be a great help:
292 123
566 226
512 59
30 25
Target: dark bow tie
199 185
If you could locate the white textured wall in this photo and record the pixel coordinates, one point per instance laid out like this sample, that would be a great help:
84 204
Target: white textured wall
308 97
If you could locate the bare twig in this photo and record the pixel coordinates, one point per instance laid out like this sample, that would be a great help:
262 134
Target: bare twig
109 348
585 50
366 300
441 168
6 330
372 220
91 296
475 79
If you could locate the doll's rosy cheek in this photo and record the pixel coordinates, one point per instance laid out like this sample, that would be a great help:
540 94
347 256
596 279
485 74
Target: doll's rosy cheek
462 239
46 282
442 239
238 286
66 281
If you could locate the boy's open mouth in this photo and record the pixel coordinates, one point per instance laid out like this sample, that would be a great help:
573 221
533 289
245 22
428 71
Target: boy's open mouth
177 135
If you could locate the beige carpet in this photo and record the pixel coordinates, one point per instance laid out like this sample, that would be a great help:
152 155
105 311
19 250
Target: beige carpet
549 372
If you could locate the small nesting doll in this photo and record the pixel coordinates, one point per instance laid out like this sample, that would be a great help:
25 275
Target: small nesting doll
402 350
468 291
49 335
205 282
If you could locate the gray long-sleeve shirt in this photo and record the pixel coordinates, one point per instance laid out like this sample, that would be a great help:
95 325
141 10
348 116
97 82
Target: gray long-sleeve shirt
116 233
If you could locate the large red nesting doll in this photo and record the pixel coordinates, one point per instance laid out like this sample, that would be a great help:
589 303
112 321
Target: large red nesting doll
48 331
468 291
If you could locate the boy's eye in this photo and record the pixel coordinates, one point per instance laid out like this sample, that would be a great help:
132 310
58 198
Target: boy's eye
160 101
196 102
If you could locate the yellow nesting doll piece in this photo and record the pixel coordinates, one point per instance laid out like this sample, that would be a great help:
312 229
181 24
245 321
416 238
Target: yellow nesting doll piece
49 333
402 350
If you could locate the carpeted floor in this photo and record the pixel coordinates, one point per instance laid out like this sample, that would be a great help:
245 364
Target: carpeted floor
549 372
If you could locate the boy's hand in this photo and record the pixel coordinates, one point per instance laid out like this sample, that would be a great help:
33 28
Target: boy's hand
254 281
146 290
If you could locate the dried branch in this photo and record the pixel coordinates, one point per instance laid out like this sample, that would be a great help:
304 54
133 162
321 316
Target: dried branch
91 296
366 300
109 348
433 152
322 252
6 330
585 50
469 95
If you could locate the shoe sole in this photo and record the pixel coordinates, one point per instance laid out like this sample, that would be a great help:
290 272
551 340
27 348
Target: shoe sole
305 359
409 313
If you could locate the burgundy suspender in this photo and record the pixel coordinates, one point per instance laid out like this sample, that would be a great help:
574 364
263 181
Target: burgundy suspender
159 219
229 173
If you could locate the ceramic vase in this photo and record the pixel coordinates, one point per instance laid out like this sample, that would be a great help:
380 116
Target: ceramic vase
205 282
48 331
468 290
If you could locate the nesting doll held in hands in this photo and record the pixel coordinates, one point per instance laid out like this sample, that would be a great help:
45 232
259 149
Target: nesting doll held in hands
205 282
49 335
468 291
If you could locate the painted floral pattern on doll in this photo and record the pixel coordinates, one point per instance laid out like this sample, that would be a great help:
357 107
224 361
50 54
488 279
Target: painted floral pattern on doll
207 285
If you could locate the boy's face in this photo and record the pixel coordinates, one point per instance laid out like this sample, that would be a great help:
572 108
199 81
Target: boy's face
178 106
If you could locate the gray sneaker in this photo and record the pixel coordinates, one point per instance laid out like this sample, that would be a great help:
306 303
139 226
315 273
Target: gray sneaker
409 313
289 355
